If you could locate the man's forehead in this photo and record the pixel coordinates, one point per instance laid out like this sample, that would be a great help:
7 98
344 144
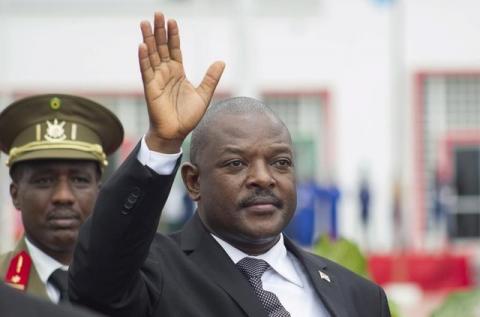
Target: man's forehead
270 148
235 132
244 122
240 119
56 164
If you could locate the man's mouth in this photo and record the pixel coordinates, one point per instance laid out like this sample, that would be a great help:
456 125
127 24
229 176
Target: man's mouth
63 219
64 223
262 204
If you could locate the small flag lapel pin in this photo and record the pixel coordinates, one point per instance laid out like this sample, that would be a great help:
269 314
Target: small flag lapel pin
324 276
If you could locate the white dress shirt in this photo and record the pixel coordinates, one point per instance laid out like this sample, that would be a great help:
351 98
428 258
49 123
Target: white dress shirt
161 163
45 265
286 277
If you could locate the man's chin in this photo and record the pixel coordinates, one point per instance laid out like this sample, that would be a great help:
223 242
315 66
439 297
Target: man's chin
64 239
261 237
264 231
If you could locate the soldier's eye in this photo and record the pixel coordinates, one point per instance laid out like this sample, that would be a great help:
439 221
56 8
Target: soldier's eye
80 180
43 181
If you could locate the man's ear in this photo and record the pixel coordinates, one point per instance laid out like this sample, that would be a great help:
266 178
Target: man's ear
14 195
190 179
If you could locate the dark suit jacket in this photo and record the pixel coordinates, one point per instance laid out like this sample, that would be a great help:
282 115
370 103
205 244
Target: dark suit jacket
122 267
14 303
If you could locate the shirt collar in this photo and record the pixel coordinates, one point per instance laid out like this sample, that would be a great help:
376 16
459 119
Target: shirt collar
44 264
277 257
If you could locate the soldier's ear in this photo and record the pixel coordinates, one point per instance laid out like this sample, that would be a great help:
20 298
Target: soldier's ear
190 174
14 195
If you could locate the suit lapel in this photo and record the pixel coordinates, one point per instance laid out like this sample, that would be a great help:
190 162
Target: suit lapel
323 281
218 266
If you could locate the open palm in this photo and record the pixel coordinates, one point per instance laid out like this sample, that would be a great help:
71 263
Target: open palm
175 106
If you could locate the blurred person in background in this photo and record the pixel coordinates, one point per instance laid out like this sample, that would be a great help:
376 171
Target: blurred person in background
57 147
231 258
364 202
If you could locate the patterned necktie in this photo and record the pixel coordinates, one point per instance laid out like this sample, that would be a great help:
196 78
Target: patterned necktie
59 279
253 270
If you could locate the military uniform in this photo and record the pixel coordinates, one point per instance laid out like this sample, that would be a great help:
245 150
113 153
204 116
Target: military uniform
16 269
46 127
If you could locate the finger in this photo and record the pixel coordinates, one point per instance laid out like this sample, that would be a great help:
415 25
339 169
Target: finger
174 41
145 66
149 41
210 81
161 37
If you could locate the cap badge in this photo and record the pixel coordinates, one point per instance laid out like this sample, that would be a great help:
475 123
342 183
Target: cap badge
55 131
55 103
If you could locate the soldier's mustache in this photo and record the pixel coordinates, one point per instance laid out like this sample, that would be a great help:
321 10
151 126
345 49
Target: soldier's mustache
59 213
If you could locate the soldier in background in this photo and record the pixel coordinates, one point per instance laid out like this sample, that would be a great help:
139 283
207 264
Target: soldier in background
57 147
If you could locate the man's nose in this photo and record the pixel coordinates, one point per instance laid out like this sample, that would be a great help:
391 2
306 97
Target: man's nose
63 193
260 175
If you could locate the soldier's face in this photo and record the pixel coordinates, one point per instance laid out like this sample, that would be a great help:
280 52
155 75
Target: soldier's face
55 197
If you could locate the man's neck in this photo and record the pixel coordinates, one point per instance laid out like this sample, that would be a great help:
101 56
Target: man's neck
65 258
237 254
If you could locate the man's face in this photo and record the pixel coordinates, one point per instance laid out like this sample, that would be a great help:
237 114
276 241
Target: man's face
55 197
246 179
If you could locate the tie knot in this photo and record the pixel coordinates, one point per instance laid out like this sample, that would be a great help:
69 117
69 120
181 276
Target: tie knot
251 267
59 279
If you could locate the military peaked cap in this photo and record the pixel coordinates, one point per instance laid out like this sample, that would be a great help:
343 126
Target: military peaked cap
57 126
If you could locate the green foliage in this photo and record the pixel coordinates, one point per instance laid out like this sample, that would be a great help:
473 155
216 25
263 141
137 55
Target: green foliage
348 254
465 304
344 252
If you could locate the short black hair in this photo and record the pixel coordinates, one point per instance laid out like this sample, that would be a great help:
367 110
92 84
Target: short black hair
237 105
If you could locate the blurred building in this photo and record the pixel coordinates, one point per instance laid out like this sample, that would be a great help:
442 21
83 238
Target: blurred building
391 87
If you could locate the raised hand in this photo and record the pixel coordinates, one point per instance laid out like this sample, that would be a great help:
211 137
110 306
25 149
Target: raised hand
175 106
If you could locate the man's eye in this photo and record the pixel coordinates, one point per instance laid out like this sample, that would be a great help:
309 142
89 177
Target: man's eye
283 163
235 163
80 180
43 181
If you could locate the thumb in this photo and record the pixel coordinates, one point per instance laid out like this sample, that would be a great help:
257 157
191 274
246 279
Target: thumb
210 81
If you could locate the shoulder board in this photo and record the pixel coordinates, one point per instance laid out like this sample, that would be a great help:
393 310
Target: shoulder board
19 271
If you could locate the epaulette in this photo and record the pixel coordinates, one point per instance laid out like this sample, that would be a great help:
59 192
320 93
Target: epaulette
19 271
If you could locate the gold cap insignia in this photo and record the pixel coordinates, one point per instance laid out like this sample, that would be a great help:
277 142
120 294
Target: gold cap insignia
55 103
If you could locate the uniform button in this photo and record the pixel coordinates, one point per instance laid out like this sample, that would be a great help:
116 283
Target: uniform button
136 192
131 201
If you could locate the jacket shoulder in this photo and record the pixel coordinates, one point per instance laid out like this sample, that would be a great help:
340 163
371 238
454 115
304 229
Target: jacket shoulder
7 257
15 269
